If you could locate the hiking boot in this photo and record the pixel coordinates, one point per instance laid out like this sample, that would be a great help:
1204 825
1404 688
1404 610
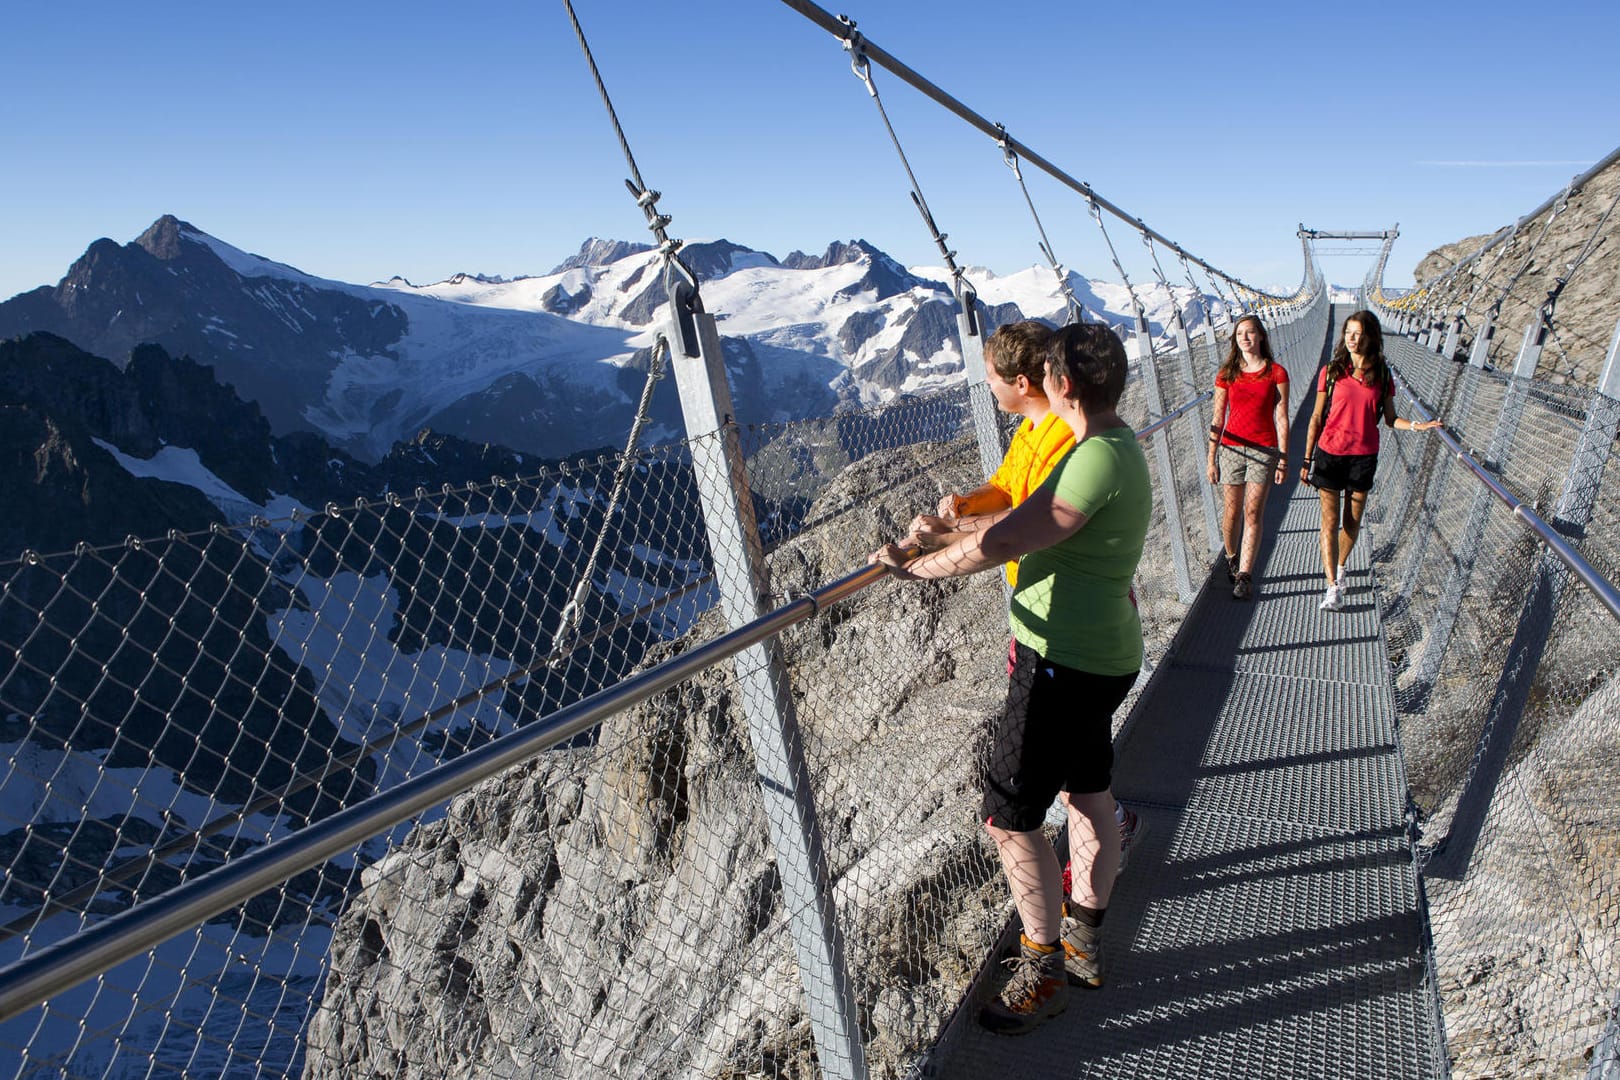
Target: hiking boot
1131 829
1037 991
1082 951
1243 587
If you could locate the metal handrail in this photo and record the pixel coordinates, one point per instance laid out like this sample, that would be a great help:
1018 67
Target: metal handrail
1601 587
39 976
55 968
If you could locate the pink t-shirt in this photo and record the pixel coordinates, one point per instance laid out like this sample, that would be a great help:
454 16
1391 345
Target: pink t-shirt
1351 426
1251 404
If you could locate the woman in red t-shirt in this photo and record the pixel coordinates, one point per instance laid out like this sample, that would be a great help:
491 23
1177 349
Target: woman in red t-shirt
1345 441
1248 445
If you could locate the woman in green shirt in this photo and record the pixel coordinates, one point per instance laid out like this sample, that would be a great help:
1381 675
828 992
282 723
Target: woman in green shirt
1076 652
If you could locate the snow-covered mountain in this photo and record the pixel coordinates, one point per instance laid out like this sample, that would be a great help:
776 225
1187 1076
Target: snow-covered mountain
546 364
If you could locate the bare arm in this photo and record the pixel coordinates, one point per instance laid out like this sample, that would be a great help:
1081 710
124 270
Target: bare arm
1411 425
1280 418
930 532
1038 522
1312 431
1217 424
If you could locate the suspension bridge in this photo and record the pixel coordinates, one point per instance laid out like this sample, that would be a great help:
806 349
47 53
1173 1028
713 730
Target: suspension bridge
434 785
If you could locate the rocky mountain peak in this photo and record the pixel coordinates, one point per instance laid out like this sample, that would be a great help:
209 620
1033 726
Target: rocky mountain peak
598 252
162 237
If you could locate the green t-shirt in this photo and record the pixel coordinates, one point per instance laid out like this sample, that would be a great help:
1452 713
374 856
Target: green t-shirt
1073 602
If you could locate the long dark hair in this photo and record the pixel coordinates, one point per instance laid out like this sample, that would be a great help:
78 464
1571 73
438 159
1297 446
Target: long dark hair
1372 347
1234 355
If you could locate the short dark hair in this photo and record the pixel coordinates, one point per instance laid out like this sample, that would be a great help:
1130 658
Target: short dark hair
1019 348
1092 357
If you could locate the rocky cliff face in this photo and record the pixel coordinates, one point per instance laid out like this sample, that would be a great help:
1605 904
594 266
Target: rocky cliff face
1588 306
616 911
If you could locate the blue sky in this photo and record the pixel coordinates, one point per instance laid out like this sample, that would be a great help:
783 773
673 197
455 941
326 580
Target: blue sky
361 140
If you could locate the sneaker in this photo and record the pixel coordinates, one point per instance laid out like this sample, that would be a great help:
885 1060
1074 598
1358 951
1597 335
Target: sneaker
1082 951
1243 587
1333 599
1230 564
1037 990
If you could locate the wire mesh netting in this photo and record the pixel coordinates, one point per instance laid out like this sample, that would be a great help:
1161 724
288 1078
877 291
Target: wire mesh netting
616 905
1504 669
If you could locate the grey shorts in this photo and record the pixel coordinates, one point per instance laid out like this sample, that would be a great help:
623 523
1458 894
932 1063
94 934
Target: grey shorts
1246 464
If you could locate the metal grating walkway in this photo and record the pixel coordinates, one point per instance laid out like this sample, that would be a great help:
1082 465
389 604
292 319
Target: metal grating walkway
1269 924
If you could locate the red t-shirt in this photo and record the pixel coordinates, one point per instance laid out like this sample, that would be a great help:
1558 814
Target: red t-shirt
1351 426
1251 405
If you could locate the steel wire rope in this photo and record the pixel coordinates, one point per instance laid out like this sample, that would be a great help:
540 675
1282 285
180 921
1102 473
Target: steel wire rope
1529 256
1226 304
1076 310
1136 303
1593 242
1198 296
568 619
1169 292
855 45
841 28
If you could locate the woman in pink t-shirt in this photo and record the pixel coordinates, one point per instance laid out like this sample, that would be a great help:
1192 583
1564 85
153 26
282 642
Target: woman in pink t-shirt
1248 444
1355 390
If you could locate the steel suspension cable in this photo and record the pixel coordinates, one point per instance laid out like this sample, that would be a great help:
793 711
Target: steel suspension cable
568 620
855 44
842 27
1096 215
1203 306
1169 292
1558 207
1076 310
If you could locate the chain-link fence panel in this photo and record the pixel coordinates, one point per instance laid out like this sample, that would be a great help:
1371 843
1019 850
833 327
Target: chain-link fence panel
1504 668
616 905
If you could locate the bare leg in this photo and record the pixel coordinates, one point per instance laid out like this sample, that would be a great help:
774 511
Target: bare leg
1035 878
1330 535
1354 506
1254 509
1093 847
1232 496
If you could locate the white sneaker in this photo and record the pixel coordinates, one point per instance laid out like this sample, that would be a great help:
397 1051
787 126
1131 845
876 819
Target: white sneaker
1333 599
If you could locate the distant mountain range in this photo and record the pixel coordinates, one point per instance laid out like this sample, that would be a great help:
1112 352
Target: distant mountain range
545 365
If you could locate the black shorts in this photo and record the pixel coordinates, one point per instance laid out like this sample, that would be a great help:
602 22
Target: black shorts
1055 734
1341 472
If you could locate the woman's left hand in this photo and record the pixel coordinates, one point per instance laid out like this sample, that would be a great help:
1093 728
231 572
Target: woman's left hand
894 557
1425 425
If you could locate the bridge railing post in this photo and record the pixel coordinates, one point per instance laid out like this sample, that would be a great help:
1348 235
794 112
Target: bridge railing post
1534 625
784 778
1141 347
987 427
1189 372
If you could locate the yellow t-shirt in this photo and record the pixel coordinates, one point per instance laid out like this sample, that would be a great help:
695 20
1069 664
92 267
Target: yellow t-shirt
1034 452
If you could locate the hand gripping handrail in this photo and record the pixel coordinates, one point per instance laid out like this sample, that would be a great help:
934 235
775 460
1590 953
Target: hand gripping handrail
40 975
